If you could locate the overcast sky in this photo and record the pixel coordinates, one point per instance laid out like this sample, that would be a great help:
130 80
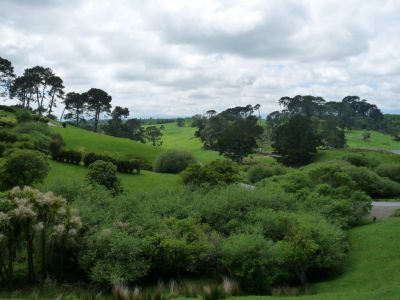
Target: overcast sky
178 58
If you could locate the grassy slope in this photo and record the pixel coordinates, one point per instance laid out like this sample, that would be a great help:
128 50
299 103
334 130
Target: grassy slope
79 139
146 181
377 141
373 271
182 138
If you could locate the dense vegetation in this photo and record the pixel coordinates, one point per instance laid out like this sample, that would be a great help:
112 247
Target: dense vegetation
246 222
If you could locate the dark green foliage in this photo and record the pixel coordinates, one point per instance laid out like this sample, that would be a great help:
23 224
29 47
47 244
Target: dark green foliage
180 122
213 292
8 137
391 171
173 161
153 135
113 255
23 167
258 172
68 156
23 115
6 124
104 173
2 149
296 140
98 102
233 132
360 161
214 173
123 165
253 259
7 108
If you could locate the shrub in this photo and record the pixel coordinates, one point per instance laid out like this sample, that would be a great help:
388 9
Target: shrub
8 137
214 173
23 116
257 173
6 123
123 165
391 171
2 149
112 255
252 259
24 167
360 161
6 108
173 161
64 125
57 143
105 173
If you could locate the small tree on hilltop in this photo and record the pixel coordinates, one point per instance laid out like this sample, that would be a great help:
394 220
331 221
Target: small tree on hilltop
104 173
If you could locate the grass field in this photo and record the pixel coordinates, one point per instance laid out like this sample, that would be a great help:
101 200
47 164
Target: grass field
183 138
131 183
377 141
83 140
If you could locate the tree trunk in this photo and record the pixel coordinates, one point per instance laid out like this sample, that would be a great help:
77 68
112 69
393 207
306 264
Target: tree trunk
302 276
51 104
62 115
96 120
29 251
43 253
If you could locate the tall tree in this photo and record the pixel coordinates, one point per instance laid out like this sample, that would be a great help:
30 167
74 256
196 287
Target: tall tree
98 102
154 135
23 89
296 140
115 126
6 76
56 92
75 105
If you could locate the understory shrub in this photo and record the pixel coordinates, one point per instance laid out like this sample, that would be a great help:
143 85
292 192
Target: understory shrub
23 115
23 167
173 161
258 172
123 165
391 171
213 173
360 160
104 173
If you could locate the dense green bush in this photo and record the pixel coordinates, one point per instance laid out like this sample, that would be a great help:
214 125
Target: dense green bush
7 108
254 260
259 172
104 173
5 123
23 115
391 171
8 137
23 167
113 255
173 161
123 165
360 161
213 173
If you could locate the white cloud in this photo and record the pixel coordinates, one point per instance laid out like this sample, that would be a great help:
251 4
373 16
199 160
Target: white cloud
180 57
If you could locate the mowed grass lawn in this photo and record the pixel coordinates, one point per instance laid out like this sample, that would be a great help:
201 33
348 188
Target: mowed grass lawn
61 173
88 141
373 270
182 138
377 141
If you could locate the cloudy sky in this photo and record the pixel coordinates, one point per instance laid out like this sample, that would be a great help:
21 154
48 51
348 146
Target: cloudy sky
181 57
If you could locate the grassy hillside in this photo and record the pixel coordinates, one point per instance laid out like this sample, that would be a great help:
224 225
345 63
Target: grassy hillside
83 140
377 141
183 138
373 271
146 181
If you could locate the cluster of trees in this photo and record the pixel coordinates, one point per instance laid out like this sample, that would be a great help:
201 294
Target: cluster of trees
308 122
233 132
29 220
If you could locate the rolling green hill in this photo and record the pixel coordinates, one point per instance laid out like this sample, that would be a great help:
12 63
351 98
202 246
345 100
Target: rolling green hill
183 138
83 140
378 140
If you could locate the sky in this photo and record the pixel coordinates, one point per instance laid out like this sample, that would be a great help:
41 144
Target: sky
165 58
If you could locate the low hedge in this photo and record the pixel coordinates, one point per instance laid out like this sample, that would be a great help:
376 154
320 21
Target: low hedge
123 165
68 156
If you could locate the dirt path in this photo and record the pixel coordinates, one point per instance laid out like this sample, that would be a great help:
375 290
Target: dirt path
383 210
